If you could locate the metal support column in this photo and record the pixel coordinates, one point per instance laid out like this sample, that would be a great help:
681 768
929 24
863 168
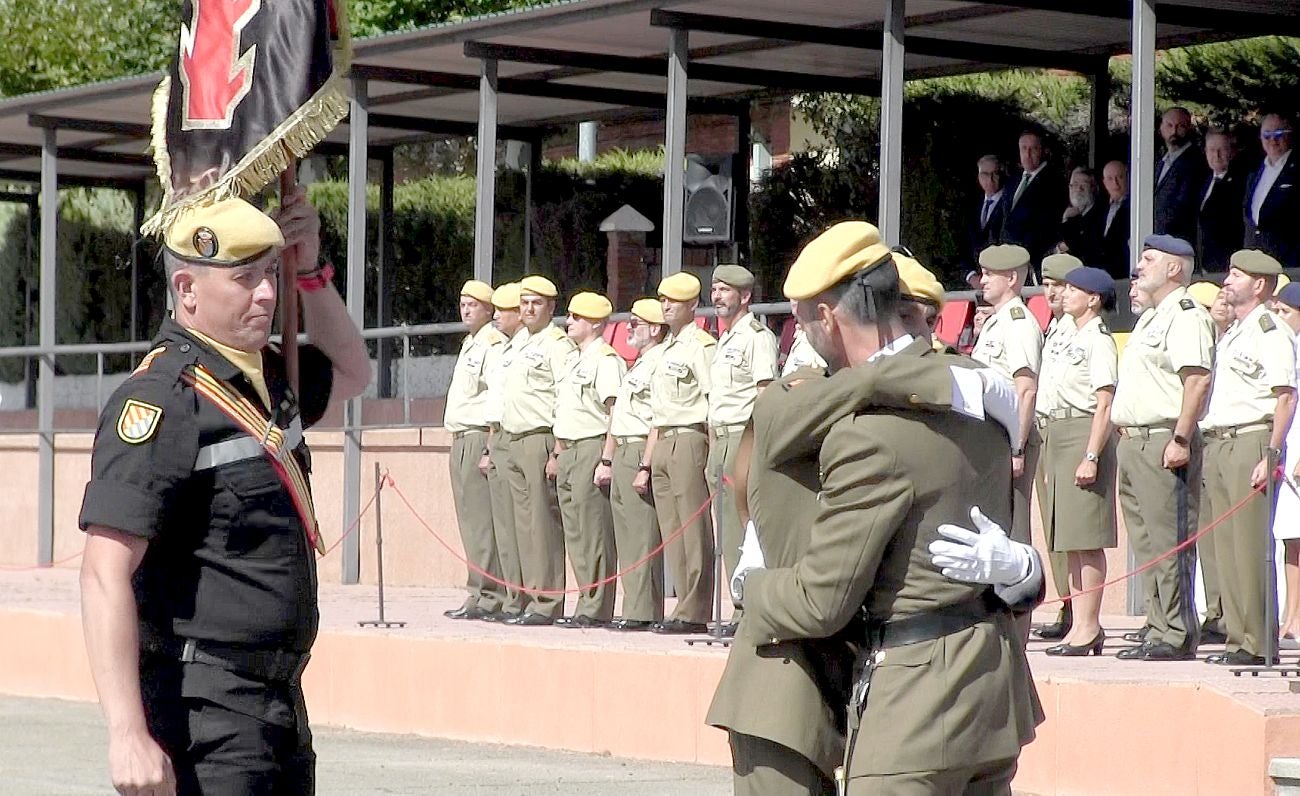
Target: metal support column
675 153
485 192
45 383
530 181
384 274
891 124
358 154
1099 119
740 187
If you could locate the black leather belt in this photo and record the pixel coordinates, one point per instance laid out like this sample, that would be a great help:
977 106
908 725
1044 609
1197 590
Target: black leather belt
262 663
934 624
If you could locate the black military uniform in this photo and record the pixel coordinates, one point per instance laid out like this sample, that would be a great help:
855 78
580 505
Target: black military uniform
227 587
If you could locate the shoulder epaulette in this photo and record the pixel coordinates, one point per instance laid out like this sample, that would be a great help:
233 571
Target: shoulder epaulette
1187 304
1017 313
1266 322
753 322
608 350
705 337
1103 328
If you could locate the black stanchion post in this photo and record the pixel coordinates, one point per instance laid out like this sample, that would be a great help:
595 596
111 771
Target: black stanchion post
716 634
1270 571
379 555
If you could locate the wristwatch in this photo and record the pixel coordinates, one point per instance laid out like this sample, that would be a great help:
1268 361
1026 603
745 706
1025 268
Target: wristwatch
607 462
1017 452
1180 439
643 467
1090 457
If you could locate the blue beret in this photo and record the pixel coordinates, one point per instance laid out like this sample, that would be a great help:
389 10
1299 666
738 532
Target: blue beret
1169 245
1091 280
1290 295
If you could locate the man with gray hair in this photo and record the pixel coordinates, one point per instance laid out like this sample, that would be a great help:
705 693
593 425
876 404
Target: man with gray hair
1219 229
1272 202
985 227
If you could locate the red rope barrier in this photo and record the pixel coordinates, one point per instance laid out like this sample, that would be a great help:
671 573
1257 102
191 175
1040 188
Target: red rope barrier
51 565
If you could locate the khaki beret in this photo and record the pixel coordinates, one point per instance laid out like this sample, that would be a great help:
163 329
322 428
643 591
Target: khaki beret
833 256
1282 281
1004 257
477 290
1204 293
506 297
738 276
648 310
539 285
1255 262
681 286
592 306
916 281
226 234
1056 266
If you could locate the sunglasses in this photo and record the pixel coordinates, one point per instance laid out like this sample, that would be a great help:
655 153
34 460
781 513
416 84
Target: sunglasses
1273 135
636 323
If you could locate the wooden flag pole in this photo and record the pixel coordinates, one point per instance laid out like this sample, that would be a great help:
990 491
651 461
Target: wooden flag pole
289 291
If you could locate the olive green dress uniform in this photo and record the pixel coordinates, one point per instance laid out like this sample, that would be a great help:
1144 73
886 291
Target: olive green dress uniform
581 420
1255 357
636 526
1074 517
679 404
1175 334
1012 340
746 356
1058 330
528 417
503 501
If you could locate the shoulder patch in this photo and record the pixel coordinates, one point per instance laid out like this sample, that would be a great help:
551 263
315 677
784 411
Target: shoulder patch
138 421
1266 322
1017 313
1187 303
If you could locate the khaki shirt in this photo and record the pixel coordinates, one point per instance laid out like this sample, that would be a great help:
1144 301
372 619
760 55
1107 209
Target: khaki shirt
1086 362
1175 334
591 378
496 376
1011 340
467 395
802 355
679 390
746 356
1058 333
530 381
1255 357
631 414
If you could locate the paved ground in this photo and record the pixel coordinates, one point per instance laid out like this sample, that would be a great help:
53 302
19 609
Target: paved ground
50 746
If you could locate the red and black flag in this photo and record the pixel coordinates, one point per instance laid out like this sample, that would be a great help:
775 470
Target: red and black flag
254 84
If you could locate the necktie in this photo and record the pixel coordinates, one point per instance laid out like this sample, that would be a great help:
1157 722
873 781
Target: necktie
988 208
1020 189
1210 190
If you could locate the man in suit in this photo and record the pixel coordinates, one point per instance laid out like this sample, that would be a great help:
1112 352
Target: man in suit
888 482
1082 222
1219 230
1273 196
1115 226
986 224
1033 217
1180 176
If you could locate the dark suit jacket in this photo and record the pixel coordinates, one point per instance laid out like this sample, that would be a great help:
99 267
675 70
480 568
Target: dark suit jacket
1219 229
1277 230
1178 194
1115 255
981 236
1082 233
1035 221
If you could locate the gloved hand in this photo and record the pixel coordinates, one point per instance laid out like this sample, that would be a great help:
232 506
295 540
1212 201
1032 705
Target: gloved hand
751 557
988 556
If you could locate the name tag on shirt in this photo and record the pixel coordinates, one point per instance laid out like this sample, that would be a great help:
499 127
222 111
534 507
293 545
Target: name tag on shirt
1245 364
473 362
677 370
533 357
733 356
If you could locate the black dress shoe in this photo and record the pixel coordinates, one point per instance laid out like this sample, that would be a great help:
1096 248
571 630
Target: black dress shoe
496 616
1138 636
678 627
1162 651
1094 647
630 625
1238 658
1211 634
1051 632
729 630
1134 653
530 620
457 613
580 621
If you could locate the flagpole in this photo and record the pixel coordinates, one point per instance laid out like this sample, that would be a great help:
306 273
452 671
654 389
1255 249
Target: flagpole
289 290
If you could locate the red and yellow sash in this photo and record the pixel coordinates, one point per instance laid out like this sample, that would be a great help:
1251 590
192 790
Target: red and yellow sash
253 421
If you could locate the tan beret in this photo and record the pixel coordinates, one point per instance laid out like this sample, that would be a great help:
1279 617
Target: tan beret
681 286
1282 281
226 234
506 297
737 276
916 281
1004 257
648 310
833 256
477 290
538 285
1204 293
592 306
1056 266
1255 262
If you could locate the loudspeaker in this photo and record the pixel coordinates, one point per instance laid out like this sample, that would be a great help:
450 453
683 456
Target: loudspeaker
709 209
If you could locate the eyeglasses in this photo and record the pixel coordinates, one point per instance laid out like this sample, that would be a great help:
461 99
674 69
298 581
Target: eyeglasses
636 323
1273 135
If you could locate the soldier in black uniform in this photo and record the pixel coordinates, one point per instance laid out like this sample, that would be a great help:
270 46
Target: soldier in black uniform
199 575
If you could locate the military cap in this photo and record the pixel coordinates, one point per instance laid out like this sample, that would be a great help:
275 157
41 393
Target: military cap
226 234
845 249
1169 245
539 285
1255 263
506 297
1056 266
916 281
1290 295
681 286
1091 280
648 310
591 306
1204 293
738 276
477 290
1282 281
1004 257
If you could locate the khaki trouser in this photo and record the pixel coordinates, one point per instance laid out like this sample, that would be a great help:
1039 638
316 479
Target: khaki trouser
636 530
1022 490
538 528
1208 561
722 460
1059 561
1240 541
984 779
503 522
1152 499
681 492
473 499
761 767
588 527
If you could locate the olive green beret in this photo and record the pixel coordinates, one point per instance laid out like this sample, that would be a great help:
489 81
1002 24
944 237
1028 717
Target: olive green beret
1056 266
226 234
1004 257
833 256
1255 262
738 276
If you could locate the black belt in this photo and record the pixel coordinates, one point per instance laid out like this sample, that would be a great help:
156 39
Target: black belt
934 624
262 663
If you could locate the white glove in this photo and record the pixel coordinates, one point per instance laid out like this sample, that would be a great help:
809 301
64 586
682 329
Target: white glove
988 556
751 557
